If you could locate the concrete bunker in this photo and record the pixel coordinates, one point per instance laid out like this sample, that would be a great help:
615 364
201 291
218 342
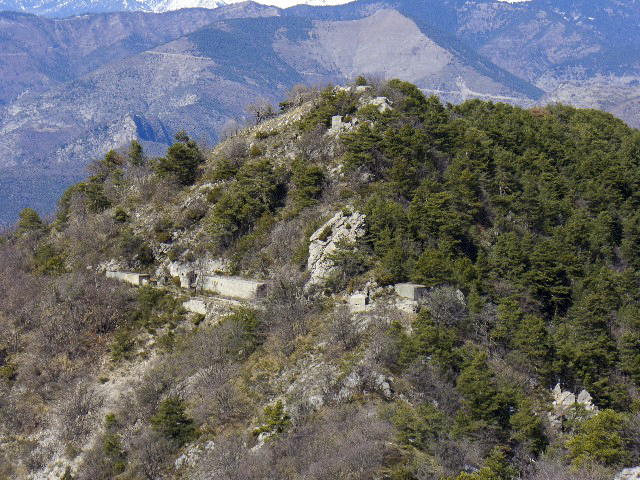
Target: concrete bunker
359 302
411 291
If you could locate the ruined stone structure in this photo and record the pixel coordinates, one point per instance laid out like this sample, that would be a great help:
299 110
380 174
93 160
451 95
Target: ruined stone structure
189 272
137 279
235 287
338 124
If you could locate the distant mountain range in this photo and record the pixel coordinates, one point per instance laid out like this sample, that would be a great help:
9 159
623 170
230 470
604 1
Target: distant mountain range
55 8
73 88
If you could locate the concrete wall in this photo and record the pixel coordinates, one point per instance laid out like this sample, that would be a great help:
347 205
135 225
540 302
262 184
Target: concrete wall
234 286
411 291
129 277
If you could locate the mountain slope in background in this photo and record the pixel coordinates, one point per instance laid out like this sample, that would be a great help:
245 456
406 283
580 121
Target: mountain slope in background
201 80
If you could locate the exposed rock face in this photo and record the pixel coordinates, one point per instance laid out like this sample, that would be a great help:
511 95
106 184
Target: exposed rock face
195 305
344 226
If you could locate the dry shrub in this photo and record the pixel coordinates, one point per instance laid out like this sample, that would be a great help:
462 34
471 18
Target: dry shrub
344 442
78 413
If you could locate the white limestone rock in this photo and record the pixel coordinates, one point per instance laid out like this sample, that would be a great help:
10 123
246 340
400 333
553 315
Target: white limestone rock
632 473
196 305
565 404
345 226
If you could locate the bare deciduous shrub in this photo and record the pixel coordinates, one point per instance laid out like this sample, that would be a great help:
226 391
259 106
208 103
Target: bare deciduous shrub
313 146
151 451
299 94
457 455
236 149
344 442
554 469
151 389
78 411
165 190
229 129
343 330
95 465
260 110
287 312
446 308
434 385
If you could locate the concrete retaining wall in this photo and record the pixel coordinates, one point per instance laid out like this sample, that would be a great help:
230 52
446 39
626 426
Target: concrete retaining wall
129 277
234 286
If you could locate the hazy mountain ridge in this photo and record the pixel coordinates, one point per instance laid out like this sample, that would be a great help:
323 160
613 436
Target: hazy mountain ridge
56 9
41 53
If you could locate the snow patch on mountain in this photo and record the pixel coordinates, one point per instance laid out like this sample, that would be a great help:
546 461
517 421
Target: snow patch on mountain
291 3
54 8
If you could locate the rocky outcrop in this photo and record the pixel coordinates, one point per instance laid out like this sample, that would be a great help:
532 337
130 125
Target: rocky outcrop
566 405
345 226
189 273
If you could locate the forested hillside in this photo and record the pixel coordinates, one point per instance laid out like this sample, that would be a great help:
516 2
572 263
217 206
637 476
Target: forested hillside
523 224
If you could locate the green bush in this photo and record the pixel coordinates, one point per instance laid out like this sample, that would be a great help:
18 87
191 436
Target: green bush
275 420
182 160
308 181
601 439
171 421
8 372
255 151
120 215
123 346
262 134
48 260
